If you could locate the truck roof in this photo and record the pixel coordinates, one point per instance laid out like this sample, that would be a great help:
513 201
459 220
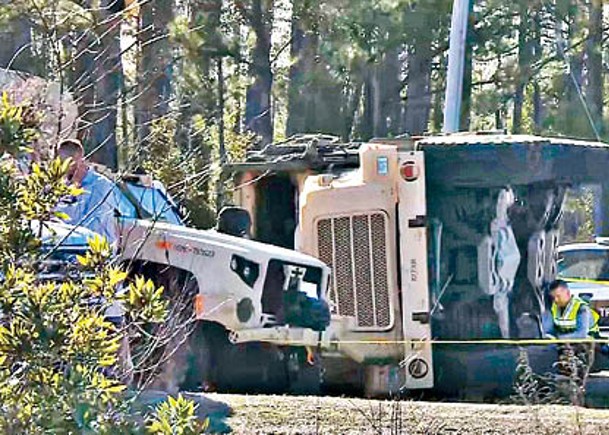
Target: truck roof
454 160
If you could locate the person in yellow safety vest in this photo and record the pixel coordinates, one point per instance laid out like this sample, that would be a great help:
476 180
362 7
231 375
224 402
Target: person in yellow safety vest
569 316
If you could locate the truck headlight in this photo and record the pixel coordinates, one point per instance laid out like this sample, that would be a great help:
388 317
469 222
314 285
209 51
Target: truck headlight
247 270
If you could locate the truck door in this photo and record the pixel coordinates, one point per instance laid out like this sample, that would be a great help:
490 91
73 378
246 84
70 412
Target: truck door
275 217
416 310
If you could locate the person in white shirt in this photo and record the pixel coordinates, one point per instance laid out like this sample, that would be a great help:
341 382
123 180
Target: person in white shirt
97 210
97 207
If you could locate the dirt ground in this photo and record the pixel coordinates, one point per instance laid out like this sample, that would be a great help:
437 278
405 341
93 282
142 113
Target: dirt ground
328 415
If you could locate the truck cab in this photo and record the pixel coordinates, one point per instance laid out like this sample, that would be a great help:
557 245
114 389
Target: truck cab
230 294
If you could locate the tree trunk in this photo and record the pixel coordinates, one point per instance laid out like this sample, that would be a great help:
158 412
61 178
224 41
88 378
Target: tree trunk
438 96
466 100
95 79
15 40
537 54
199 96
155 65
258 117
316 101
523 68
303 49
594 48
221 144
353 92
110 72
379 120
418 94
571 117
366 124
82 82
390 87
594 92
205 17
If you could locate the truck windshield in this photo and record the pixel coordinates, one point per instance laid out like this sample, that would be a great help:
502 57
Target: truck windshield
590 264
155 203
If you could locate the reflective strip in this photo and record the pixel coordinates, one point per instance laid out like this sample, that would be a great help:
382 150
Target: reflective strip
567 321
572 309
596 317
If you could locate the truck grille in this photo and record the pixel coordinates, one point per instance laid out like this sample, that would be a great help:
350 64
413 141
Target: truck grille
355 247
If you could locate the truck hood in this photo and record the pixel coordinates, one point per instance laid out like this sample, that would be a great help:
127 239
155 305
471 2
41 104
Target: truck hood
238 244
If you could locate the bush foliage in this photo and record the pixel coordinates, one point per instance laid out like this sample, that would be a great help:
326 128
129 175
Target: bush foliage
59 370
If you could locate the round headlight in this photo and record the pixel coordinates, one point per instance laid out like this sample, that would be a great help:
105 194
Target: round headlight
245 310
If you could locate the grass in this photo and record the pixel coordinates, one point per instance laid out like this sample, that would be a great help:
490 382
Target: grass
330 415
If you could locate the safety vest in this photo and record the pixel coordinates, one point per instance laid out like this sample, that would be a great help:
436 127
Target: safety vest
566 321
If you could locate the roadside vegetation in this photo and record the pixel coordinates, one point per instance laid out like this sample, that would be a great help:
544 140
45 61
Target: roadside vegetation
59 366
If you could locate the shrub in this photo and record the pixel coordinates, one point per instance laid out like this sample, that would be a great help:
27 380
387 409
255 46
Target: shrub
58 354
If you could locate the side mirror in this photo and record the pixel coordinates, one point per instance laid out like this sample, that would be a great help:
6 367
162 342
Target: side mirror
234 221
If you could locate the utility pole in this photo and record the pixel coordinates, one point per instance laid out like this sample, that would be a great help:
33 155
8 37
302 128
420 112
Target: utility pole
221 145
456 64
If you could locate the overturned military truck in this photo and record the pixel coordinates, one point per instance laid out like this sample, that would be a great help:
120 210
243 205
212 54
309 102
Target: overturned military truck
435 243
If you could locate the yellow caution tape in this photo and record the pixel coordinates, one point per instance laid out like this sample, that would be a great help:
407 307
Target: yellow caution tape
505 342
586 281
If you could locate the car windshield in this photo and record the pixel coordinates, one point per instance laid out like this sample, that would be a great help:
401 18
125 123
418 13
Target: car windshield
155 203
584 264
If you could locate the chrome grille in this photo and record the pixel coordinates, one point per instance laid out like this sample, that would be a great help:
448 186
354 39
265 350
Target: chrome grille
355 247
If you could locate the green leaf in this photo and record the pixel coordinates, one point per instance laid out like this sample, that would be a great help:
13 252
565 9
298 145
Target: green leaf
61 215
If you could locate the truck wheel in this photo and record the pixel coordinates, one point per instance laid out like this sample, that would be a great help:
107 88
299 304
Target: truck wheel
304 377
251 368
199 376
173 366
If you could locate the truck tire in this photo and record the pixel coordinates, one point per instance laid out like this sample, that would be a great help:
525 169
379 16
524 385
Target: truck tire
199 367
304 378
251 368
173 365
